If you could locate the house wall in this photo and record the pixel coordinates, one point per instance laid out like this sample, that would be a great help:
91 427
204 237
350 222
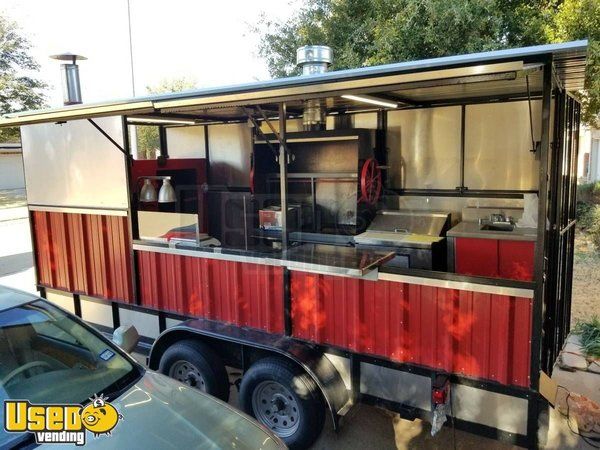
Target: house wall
11 169
588 160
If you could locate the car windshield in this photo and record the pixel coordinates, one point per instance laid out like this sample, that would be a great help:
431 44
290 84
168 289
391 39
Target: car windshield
48 357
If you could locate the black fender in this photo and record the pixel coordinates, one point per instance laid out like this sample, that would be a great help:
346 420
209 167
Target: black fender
312 361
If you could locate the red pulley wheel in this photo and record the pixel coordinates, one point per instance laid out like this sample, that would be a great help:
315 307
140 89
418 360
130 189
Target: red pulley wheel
252 179
370 182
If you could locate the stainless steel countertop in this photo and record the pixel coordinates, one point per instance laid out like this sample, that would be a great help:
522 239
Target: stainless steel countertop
317 258
473 230
333 259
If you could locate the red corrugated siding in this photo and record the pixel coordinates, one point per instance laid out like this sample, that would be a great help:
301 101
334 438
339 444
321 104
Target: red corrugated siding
243 294
475 334
83 253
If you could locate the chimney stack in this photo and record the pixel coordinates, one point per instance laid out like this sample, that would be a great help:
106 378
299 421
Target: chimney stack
70 77
314 60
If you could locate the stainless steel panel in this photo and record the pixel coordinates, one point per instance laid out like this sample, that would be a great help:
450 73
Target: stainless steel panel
186 142
424 148
395 385
454 205
73 165
229 149
498 144
337 202
364 120
505 412
459 285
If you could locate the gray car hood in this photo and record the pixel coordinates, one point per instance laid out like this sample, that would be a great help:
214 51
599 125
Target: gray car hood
159 412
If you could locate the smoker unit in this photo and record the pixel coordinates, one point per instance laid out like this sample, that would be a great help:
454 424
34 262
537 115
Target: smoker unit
417 238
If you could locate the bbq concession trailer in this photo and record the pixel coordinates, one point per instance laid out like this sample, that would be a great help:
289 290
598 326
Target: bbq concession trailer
336 237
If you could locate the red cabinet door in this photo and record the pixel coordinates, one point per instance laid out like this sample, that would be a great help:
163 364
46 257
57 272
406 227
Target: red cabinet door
515 260
476 257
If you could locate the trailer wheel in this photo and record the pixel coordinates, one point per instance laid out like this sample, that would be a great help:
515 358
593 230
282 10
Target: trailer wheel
195 364
284 398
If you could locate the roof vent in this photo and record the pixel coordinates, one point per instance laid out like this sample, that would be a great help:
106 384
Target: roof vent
314 60
70 77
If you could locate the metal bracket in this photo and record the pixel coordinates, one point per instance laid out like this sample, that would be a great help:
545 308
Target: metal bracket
107 136
533 144
270 125
260 132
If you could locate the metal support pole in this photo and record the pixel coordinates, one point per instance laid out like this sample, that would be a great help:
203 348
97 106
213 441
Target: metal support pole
541 244
132 217
283 175
463 118
534 408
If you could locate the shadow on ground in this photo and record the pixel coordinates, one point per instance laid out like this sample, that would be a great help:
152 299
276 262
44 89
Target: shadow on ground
15 263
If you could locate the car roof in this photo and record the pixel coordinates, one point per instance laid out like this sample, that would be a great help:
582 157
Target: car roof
9 297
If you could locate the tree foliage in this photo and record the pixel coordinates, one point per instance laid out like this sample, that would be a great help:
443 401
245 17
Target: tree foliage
370 32
19 90
148 141
580 19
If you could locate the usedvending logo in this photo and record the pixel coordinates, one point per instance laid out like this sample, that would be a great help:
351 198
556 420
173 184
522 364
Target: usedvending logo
61 423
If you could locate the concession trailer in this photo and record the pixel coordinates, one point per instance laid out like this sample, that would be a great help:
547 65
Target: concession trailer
398 235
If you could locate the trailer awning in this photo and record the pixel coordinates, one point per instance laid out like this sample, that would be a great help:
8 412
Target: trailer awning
569 61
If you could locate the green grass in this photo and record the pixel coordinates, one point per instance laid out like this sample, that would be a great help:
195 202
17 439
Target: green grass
589 332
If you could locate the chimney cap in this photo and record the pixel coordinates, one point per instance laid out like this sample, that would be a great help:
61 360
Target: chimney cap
314 54
68 56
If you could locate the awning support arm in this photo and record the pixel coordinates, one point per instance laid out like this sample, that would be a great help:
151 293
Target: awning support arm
266 119
107 136
533 145
260 132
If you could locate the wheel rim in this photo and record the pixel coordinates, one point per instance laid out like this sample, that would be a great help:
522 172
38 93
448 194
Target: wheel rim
189 374
275 406
370 182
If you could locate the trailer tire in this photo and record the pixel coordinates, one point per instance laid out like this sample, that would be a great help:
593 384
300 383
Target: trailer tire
281 384
194 363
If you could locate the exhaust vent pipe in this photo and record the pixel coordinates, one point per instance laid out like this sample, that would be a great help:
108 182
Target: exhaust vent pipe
70 77
314 60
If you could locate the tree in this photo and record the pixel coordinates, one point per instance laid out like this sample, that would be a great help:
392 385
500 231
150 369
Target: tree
370 32
148 141
19 90
580 19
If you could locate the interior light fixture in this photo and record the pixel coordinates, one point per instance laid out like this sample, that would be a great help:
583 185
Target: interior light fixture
161 120
166 193
372 100
148 192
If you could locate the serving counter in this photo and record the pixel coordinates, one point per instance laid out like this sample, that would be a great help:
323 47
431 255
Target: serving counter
316 258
